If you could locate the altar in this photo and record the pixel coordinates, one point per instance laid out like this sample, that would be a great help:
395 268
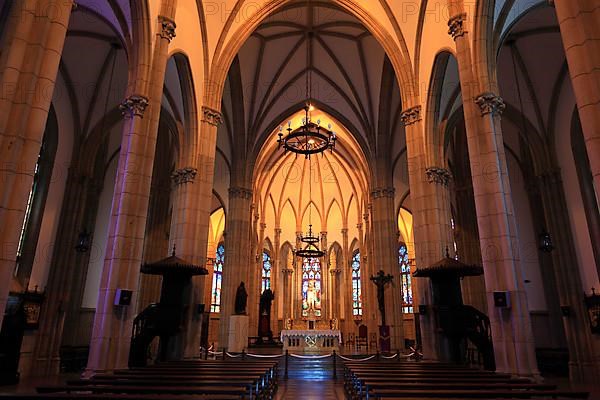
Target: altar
311 340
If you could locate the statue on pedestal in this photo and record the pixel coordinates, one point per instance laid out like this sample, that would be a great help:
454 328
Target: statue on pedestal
264 315
241 298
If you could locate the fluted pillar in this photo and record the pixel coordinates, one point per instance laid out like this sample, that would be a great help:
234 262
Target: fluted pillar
578 21
238 260
511 327
31 51
111 336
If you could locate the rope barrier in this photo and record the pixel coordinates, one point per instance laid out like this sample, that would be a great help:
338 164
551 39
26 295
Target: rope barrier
264 355
233 355
356 359
390 357
311 357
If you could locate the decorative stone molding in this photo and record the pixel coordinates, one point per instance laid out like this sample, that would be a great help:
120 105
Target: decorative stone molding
490 103
134 106
456 26
287 271
184 175
240 193
411 116
335 271
211 116
438 175
383 192
167 28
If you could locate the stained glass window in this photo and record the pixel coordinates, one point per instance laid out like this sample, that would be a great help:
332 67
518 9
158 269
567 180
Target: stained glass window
356 288
215 304
407 297
266 271
311 287
28 208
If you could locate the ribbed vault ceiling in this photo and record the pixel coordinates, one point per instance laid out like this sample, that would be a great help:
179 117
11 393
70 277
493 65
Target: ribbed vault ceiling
350 76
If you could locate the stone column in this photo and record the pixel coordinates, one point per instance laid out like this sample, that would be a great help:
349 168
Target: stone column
334 274
511 327
578 20
326 295
385 257
238 260
32 48
345 302
275 286
111 336
584 361
201 191
287 294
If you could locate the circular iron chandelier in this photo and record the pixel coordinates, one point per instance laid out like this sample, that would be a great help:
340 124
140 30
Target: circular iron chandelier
311 246
310 138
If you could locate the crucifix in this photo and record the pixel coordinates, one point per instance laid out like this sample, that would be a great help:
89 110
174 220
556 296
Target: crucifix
381 280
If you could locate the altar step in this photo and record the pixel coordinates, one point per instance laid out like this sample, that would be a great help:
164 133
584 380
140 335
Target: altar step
301 369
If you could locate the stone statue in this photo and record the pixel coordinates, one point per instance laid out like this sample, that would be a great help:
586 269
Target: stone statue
265 302
241 298
380 280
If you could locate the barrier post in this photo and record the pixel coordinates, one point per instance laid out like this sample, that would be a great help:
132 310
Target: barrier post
287 357
377 355
224 353
398 355
334 366
243 354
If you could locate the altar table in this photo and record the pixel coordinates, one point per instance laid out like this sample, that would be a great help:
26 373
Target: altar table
311 340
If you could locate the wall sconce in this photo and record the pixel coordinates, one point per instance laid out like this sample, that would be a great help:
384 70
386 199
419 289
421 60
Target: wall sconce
546 244
83 242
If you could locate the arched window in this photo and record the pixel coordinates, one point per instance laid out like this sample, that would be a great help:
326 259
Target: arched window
215 303
311 286
357 310
407 297
266 271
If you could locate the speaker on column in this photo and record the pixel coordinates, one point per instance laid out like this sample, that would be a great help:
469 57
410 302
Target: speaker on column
502 299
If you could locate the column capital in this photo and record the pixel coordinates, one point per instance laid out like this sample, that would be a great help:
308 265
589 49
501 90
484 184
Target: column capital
278 231
287 271
411 115
323 235
438 175
240 192
490 103
263 225
184 175
167 28
383 192
344 231
134 106
335 271
359 226
212 116
456 26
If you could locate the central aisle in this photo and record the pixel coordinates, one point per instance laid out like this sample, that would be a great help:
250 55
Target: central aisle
311 380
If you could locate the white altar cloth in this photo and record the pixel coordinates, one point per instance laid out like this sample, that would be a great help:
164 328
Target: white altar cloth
317 333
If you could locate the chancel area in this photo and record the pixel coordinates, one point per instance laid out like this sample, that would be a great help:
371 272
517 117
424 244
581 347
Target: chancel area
294 199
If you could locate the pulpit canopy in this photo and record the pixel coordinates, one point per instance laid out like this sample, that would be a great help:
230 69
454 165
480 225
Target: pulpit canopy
173 265
448 266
